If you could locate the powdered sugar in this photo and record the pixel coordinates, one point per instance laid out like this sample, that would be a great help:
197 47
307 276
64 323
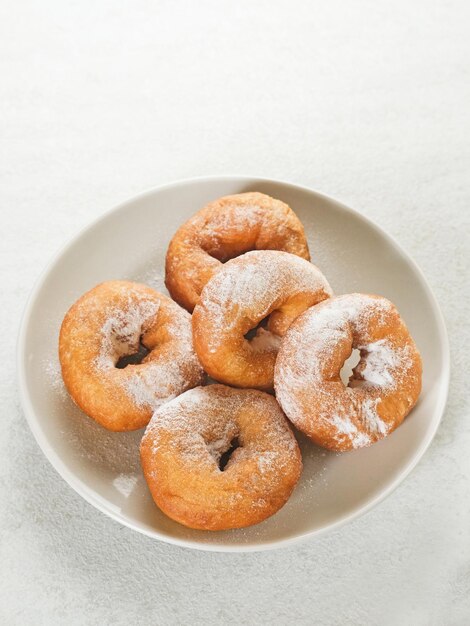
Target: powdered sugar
236 217
360 440
217 447
157 383
205 420
307 369
254 218
52 370
373 423
253 285
108 323
344 426
267 460
381 361
125 483
224 229
123 327
182 448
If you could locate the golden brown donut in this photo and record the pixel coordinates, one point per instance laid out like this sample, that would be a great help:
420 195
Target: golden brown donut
186 440
247 290
383 388
223 230
110 322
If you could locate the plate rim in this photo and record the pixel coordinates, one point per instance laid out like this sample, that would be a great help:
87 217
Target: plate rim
99 503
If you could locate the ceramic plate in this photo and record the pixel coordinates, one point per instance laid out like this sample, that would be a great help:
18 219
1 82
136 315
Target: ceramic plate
130 242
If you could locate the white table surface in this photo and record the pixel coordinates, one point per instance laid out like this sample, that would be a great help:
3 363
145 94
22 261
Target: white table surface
366 101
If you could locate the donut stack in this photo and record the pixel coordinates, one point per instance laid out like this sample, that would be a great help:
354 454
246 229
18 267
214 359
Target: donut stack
252 312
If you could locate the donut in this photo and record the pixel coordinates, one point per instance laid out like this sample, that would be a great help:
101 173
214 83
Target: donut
217 458
223 230
382 389
242 294
116 319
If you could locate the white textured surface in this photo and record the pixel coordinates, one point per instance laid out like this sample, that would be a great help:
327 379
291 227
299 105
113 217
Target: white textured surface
366 101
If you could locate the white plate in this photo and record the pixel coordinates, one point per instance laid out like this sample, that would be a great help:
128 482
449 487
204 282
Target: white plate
130 242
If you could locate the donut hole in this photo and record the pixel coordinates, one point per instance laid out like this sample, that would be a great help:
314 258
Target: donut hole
227 251
134 358
261 339
228 257
251 334
348 366
225 456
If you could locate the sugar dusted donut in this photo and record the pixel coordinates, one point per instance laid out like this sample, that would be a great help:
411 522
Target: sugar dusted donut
225 229
383 388
244 292
112 321
185 449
